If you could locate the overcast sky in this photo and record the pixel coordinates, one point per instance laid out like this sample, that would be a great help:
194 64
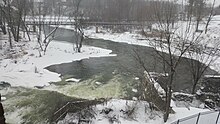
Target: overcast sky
217 2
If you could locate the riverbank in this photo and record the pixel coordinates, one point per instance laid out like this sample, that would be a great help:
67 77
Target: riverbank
134 112
134 37
27 70
23 66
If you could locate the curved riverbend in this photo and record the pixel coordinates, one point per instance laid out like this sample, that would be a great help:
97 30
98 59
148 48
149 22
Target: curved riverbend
123 63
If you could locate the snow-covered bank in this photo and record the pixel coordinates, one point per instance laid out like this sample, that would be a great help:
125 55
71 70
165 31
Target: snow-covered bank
211 39
126 37
28 70
131 112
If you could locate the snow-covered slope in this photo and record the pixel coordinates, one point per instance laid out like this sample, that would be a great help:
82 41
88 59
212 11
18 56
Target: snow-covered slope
27 68
130 112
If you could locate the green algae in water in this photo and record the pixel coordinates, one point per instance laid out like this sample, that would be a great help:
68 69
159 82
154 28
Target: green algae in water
94 88
40 105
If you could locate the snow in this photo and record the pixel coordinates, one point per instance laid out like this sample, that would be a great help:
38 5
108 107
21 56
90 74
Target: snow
126 37
151 76
159 88
119 107
72 80
209 118
211 39
136 78
3 98
98 83
135 90
185 112
28 70
141 114
184 94
212 76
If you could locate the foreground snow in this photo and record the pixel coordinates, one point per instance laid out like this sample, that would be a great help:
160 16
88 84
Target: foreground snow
28 70
139 113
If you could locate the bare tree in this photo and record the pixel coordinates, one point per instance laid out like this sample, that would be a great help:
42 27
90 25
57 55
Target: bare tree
173 40
2 20
7 14
210 16
196 8
201 52
149 92
21 6
12 13
78 18
44 36
201 57
165 15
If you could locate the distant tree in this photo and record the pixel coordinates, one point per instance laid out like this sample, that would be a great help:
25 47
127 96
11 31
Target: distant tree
196 8
2 20
201 51
205 56
21 10
211 14
13 13
172 40
6 10
45 35
78 18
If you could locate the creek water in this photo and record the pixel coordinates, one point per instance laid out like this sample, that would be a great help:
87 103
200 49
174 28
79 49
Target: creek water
124 63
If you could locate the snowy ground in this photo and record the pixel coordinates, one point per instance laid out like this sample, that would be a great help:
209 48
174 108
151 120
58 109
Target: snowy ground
211 39
131 112
141 117
27 68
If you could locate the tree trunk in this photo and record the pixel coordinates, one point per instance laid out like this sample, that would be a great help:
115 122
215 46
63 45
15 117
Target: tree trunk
26 29
96 29
169 96
77 39
3 27
34 28
13 31
9 35
194 87
18 33
195 82
80 42
1 43
197 25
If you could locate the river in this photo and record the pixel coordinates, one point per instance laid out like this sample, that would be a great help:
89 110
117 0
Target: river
124 63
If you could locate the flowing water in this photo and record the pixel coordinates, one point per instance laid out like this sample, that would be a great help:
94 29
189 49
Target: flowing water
124 63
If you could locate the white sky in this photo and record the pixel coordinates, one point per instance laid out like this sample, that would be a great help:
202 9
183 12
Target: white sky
217 2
